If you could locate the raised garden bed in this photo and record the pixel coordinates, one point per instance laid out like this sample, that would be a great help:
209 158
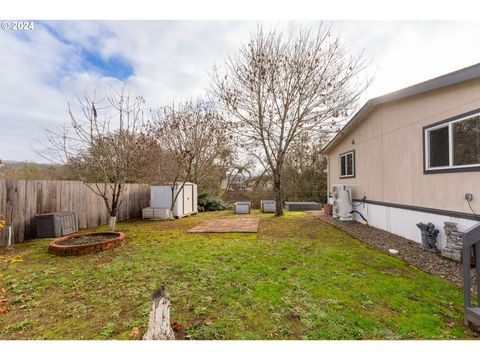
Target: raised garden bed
80 244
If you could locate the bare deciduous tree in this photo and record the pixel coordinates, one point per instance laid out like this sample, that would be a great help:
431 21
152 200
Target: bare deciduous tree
186 141
100 144
304 171
236 172
216 150
278 87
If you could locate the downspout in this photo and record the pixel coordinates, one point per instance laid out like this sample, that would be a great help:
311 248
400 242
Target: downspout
328 179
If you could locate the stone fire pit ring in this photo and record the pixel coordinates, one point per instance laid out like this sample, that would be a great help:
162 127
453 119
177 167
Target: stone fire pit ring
81 244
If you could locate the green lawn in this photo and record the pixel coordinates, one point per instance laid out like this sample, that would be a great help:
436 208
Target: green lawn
298 278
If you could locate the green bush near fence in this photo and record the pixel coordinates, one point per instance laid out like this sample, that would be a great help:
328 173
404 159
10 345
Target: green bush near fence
211 202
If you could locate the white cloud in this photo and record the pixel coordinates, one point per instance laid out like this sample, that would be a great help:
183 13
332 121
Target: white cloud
408 52
171 59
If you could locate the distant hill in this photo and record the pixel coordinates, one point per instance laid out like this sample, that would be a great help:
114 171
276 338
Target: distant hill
11 169
16 163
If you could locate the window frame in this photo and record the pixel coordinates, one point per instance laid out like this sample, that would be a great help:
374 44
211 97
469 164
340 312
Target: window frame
353 164
426 144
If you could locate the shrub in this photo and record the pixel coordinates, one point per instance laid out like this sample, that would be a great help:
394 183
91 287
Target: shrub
211 202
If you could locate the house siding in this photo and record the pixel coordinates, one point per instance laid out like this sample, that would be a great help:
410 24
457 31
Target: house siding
388 146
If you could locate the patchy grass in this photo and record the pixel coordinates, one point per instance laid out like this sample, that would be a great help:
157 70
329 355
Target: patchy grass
298 278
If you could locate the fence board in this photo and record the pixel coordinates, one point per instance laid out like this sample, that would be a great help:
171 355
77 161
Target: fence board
26 198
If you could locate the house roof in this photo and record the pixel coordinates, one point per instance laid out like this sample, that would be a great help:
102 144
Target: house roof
452 78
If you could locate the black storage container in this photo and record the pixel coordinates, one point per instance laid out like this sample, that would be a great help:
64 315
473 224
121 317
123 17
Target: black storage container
56 224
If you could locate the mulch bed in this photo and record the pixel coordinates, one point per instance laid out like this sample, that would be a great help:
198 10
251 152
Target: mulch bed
81 244
409 251
86 239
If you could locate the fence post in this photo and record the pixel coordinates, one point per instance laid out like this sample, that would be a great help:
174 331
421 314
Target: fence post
467 281
477 268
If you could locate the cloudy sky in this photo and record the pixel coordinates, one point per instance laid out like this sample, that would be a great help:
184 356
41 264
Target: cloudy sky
42 69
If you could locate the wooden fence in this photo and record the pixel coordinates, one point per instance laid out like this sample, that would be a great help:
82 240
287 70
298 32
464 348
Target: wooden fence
23 199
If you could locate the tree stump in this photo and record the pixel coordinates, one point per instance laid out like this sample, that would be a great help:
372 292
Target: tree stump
159 321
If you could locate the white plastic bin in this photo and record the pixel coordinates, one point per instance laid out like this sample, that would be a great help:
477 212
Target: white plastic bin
242 207
155 214
268 206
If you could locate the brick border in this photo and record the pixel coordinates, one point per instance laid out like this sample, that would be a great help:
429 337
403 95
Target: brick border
55 247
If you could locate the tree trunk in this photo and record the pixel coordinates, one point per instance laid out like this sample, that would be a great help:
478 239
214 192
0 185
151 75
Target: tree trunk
278 196
172 205
112 222
159 322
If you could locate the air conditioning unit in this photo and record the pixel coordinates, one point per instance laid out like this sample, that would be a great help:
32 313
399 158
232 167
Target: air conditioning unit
342 202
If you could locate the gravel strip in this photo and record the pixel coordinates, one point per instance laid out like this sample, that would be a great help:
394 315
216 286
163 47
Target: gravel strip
409 251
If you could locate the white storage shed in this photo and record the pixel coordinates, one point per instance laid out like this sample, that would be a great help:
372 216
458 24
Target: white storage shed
186 203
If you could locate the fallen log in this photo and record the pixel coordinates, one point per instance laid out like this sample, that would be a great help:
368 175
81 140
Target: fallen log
159 321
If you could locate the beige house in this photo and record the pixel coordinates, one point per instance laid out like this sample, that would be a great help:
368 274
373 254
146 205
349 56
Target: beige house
412 156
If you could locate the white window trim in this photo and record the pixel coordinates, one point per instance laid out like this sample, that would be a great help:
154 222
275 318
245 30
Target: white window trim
450 145
353 164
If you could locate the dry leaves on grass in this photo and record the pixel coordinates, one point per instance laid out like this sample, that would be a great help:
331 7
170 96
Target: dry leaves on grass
9 260
176 326
134 332
3 308
16 259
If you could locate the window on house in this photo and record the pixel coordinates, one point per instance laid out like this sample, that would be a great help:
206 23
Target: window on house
439 147
347 164
453 145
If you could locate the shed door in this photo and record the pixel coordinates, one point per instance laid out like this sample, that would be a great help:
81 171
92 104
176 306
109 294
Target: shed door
187 198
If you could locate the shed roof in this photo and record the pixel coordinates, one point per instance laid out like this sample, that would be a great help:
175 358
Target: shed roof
452 78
